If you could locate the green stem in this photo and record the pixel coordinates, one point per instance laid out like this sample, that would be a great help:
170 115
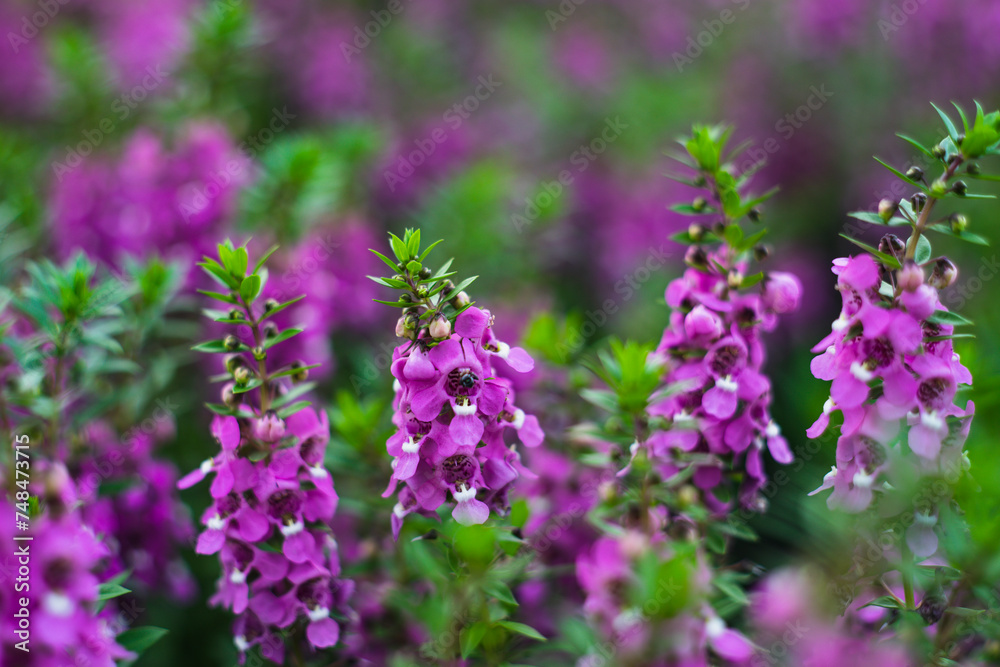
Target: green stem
925 214
907 572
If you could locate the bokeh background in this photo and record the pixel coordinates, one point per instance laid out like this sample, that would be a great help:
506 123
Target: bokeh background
529 135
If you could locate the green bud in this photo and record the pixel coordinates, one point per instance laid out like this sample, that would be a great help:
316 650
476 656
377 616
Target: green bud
259 353
960 188
972 168
699 204
236 314
959 223
918 201
886 209
301 374
915 174
939 152
241 375
754 214
761 252
270 305
696 231
938 188
231 342
270 330
734 279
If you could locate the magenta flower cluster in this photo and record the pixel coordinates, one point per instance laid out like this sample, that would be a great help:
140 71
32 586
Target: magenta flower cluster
894 374
713 350
270 524
452 413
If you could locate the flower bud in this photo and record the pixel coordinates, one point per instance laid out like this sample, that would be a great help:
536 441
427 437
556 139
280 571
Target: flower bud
425 273
461 300
959 223
782 292
241 375
890 244
270 304
696 231
259 353
231 342
695 257
229 395
972 168
939 188
701 323
699 204
886 209
960 188
910 276
270 427
915 173
234 361
918 201
761 252
401 328
754 214
301 372
944 274
932 608
236 314
734 279
270 330
938 152
440 327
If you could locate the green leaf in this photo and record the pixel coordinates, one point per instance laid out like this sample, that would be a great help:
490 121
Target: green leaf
282 335
888 260
388 262
413 243
217 346
109 590
281 306
965 236
399 248
948 317
292 371
221 409
916 144
264 258
750 281
459 287
886 602
240 262
219 274
867 216
731 591
688 209
471 637
292 394
290 410
500 591
137 640
252 384
952 132
395 304
428 249
250 288
604 399
226 298
522 629
923 250
901 175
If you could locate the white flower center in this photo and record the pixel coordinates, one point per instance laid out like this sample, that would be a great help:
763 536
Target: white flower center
727 384
396 386
465 495
518 418
238 577
216 523
841 323
772 430
924 520
828 406
399 510
931 420
715 627
863 480
683 417
503 349
319 472
465 410
58 604
318 614
859 371
206 466
242 645
296 527
411 446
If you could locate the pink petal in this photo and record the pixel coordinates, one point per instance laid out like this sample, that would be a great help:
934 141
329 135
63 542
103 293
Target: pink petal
471 323
253 525
418 367
223 482
471 512
492 398
778 447
531 433
924 442
190 479
719 403
819 426
731 645
227 431
466 429
426 403
300 547
323 633
520 360
406 465
210 541
922 540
